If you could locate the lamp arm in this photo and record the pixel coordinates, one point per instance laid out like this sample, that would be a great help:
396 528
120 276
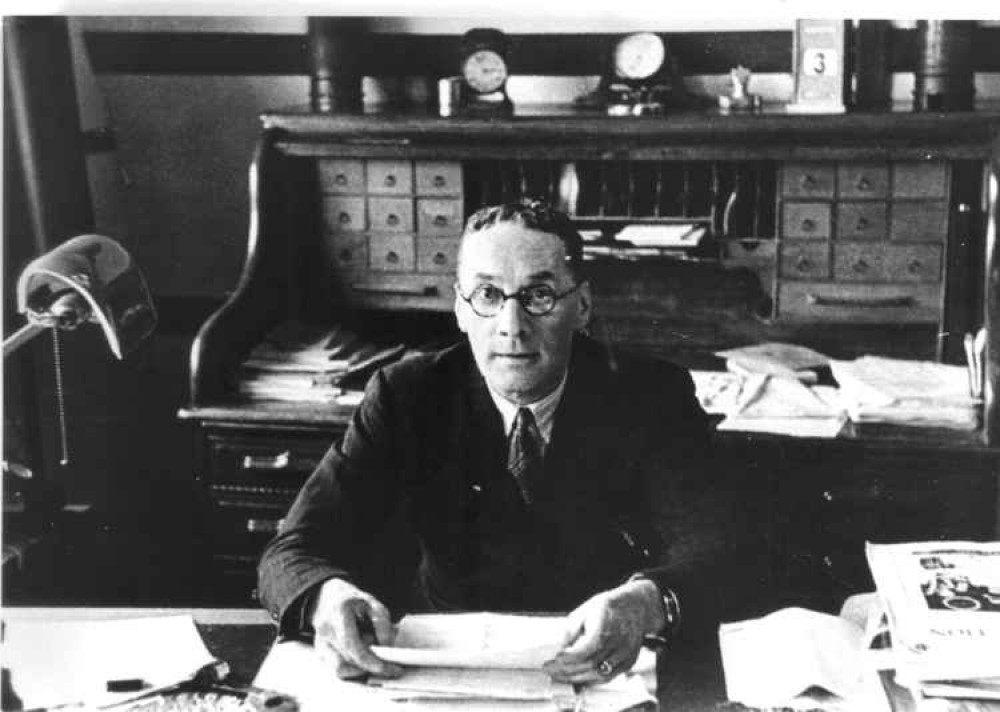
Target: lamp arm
22 336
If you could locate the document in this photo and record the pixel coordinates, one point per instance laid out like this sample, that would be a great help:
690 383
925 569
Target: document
943 603
461 661
67 662
802 659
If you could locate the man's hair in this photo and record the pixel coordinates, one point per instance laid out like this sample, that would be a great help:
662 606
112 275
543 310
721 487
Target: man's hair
536 215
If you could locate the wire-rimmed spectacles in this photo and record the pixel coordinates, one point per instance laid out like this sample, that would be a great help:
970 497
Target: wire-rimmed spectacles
487 300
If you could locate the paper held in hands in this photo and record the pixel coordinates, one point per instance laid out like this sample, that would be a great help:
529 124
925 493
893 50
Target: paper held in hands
461 661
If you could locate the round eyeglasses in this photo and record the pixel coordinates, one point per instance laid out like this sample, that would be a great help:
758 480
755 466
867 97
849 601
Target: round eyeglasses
487 299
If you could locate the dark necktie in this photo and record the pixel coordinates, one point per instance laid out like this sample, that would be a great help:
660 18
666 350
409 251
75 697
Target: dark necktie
524 454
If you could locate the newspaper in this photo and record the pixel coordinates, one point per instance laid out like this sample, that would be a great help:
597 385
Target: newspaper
943 603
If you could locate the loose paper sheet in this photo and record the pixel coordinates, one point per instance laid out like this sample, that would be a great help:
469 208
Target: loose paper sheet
56 662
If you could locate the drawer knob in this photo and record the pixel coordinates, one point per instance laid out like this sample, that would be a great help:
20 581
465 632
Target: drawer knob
862 225
864 184
391 257
860 266
440 181
345 254
344 218
808 181
390 181
440 259
340 179
263 526
808 225
828 496
392 219
440 220
281 461
914 267
802 264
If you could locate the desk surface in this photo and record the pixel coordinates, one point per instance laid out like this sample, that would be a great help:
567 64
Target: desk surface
689 680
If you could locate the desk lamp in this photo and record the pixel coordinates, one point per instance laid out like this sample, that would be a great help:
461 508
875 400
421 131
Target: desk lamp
90 278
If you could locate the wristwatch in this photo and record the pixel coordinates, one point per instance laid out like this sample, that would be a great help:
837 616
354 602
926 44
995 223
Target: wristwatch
671 606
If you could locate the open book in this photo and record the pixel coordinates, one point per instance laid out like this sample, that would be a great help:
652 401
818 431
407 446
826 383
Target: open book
801 659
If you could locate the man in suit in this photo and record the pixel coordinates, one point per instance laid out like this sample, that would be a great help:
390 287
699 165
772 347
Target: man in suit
538 471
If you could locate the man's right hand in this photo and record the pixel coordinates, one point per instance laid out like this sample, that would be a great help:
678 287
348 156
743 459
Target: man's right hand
347 621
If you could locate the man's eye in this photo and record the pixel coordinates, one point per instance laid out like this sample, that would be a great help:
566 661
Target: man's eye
489 292
540 293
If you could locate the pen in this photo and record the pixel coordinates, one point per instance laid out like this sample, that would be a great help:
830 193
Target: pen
970 359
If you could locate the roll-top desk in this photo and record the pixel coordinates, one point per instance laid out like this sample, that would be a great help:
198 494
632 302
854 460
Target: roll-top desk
860 233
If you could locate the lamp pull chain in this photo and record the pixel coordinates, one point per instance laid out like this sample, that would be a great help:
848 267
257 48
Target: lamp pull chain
60 396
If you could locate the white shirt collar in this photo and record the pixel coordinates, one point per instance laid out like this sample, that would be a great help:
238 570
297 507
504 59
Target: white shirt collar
544 410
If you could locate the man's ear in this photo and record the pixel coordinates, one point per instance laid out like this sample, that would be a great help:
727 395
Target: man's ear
461 314
585 305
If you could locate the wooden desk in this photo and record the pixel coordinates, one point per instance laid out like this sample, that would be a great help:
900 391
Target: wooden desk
688 680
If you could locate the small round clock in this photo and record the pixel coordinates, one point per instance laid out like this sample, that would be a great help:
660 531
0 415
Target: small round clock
638 56
484 71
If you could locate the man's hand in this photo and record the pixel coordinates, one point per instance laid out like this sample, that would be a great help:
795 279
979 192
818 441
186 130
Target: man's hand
604 635
346 621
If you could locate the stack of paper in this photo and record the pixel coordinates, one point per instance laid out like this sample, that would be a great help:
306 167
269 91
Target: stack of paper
314 364
921 393
943 605
795 658
467 661
775 359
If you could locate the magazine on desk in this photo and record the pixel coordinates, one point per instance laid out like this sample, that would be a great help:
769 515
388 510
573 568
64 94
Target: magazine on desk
943 603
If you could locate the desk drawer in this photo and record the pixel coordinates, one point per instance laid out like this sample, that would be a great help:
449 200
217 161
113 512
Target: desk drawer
912 179
341 175
342 213
392 253
390 177
860 303
919 221
439 178
862 220
346 251
390 214
808 180
262 462
437 254
806 220
805 260
866 262
439 216
402 291
863 180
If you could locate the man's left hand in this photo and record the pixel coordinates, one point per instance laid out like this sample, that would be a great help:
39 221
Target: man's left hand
604 635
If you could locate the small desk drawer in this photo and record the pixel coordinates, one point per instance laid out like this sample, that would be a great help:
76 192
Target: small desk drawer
439 216
918 221
437 254
806 220
390 214
805 260
384 290
854 262
913 179
863 180
392 253
807 180
341 176
343 213
861 303
347 251
438 178
861 221
390 177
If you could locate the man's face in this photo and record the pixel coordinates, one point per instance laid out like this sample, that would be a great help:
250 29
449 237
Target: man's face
522 357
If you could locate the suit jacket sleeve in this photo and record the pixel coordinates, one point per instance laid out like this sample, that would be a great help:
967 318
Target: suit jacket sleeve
694 511
333 521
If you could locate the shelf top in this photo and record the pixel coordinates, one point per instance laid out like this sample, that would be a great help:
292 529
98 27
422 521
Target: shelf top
568 123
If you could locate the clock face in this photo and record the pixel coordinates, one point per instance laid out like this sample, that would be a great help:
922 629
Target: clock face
639 56
484 71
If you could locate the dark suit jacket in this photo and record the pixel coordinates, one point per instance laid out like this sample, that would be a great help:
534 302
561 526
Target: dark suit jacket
624 490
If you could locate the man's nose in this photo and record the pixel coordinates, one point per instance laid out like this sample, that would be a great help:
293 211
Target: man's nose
511 319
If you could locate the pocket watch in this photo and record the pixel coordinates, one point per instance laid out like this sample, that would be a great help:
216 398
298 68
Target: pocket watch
483 72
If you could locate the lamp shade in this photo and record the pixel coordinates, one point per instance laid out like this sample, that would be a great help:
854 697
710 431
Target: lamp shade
90 278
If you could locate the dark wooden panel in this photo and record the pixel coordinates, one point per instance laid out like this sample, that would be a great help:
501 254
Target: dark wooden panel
436 55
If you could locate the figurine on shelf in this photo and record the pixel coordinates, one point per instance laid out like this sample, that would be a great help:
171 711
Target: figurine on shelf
740 99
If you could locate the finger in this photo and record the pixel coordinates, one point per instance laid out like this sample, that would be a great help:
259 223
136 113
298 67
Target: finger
341 667
589 643
381 622
350 643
